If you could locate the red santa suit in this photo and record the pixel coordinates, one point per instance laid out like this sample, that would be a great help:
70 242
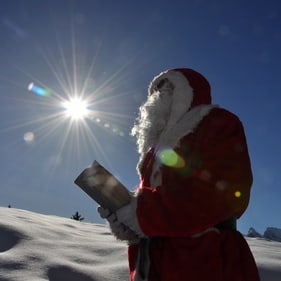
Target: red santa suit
196 176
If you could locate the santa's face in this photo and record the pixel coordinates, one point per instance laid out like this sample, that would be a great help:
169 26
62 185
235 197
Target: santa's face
153 116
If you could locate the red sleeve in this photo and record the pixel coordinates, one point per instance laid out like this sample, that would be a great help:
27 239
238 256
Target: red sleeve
213 185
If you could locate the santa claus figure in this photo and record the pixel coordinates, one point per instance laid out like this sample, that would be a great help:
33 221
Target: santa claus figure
195 180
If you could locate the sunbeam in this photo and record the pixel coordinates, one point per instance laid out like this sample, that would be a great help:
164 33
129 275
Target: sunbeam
73 106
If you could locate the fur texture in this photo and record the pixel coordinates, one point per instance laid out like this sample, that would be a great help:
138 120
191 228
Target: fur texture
166 116
127 216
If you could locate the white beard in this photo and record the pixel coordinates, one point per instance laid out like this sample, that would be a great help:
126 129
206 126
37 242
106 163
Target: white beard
153 118
166 116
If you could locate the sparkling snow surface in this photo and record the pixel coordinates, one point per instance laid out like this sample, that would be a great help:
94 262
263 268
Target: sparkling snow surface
39 247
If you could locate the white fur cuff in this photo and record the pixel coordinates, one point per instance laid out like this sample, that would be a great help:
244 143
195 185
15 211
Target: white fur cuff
128 216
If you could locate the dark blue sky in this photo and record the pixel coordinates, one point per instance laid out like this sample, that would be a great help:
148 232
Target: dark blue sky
108 51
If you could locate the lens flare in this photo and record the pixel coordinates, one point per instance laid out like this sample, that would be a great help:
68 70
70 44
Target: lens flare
105 125
237 194
170 158
38 90
29 137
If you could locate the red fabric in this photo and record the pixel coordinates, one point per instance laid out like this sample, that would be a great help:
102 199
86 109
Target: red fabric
214 256
199 84
197 196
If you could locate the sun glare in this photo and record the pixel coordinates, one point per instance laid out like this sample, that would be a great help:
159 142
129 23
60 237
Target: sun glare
76 108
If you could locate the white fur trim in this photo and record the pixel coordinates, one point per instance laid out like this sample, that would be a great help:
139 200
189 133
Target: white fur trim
182 97
128 216
181 122
170 137
186 125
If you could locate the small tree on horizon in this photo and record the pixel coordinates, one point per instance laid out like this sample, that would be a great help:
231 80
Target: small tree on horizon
77 216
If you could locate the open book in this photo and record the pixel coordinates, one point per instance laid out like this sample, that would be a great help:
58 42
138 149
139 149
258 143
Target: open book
103 187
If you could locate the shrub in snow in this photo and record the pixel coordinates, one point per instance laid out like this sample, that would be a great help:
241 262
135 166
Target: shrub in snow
77 217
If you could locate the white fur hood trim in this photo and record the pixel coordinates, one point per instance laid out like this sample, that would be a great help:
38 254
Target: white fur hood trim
170 137
186 125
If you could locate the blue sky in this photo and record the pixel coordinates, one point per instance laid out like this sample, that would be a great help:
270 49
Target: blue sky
107 52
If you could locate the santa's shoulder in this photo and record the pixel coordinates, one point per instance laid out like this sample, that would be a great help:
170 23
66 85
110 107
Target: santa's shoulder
220 122
222 115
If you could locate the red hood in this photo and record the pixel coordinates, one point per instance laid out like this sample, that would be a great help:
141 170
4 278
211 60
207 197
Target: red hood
200 85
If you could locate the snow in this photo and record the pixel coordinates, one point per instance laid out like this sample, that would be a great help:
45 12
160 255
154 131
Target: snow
268 258
41 247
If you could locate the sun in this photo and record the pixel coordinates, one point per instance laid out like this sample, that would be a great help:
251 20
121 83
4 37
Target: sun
76 108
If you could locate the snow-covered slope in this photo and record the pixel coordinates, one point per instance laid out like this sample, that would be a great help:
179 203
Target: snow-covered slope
39 247
268 258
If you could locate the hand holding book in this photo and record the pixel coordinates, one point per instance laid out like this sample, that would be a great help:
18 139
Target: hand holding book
103 187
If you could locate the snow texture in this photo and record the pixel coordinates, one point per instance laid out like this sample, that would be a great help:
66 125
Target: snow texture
40 247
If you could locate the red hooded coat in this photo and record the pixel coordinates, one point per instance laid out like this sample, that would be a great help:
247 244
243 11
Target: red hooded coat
210 184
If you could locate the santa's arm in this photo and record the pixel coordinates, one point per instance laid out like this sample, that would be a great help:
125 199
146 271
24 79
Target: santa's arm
213 185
